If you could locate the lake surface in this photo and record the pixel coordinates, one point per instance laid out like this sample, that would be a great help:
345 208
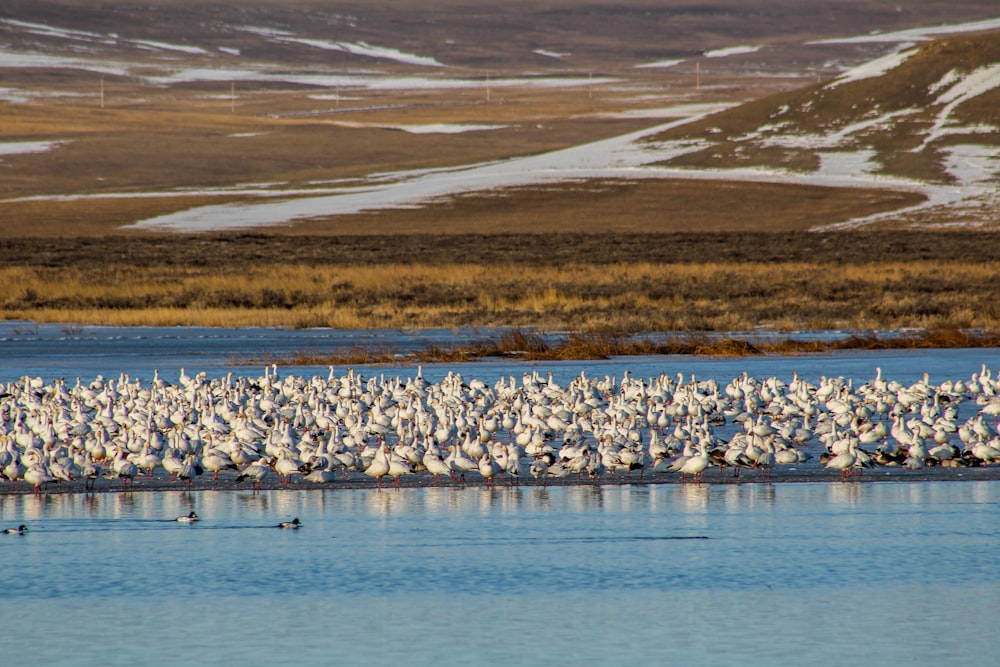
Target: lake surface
52 351
755 574
761 574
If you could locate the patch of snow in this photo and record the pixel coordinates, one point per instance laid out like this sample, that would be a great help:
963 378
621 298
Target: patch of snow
429 128
916 34
975 169
970 86
873 68
19 96
973 164
265 191
15 95
21 147
17 60
676 111
228 51
731 51
844 164
365 81
270 33
364 49
331 96
44 30
832 139
551 54
947 80
660 63
629 156
164 46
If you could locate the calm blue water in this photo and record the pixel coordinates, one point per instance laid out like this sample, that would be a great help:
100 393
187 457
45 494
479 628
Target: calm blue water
51 351
756 574
759 574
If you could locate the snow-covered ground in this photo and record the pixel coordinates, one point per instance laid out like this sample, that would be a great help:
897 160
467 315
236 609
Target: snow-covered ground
874 68
915 34
731 51
20 147
430 128
632 156
626 157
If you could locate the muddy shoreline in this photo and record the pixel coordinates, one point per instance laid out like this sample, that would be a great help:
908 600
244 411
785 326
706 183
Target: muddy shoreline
356 481
237 250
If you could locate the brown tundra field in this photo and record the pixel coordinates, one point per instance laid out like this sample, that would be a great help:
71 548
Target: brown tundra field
119 121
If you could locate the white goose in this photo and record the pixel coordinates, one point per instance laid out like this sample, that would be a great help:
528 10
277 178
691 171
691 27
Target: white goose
379 466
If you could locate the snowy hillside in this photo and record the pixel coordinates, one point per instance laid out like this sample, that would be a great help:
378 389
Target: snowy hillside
926 117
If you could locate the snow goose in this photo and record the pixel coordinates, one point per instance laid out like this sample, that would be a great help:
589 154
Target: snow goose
37 476
460 463
843 461
539 469
256 472
215 462
286 466
488 467
695 466
379 466
398 466
189 470
435 465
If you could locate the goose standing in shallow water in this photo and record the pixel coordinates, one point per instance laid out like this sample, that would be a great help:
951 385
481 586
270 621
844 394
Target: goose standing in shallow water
256 471
216 425
379 467
37 476
695 466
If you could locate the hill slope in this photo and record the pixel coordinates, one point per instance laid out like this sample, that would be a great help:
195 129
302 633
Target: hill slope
925 118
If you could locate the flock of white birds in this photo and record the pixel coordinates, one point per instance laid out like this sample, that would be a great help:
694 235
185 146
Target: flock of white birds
249 429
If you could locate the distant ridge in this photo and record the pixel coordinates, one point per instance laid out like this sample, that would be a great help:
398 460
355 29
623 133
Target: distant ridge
927 114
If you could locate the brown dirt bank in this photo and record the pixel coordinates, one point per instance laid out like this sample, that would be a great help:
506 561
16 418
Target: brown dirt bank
713 477
240 250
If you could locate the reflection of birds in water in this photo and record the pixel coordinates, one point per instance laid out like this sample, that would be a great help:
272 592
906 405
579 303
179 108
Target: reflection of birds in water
244 428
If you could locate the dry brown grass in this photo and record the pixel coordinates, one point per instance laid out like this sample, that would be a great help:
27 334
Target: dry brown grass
605 260
531 346
615 297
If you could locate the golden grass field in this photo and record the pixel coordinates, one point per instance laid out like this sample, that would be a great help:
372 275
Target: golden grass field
601 257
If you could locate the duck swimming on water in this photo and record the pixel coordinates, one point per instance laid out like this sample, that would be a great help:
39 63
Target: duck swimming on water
190 518
294 524
20 530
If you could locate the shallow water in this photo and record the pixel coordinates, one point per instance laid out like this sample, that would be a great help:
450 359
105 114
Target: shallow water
51 351
754 574
764 574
